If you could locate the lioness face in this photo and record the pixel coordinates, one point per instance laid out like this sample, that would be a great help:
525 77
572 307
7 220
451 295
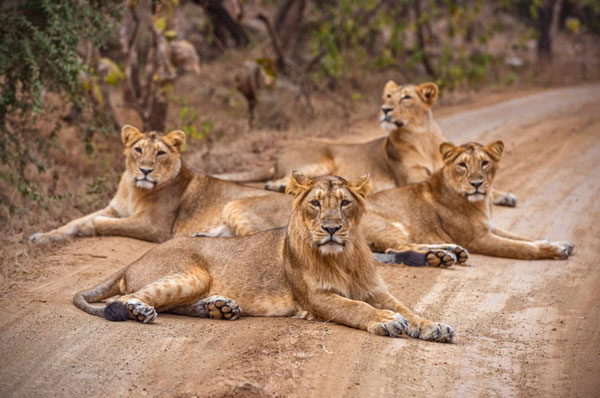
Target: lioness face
152 158
470 168
406 105
331 209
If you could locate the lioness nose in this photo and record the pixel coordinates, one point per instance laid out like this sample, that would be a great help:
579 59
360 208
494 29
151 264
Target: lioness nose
476 184
146 170
332 230
386 109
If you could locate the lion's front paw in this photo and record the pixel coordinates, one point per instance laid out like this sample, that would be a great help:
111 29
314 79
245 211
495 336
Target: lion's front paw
389 324
46 237
140 311
431 331
222 308
508 199
556 250
462 255
440 258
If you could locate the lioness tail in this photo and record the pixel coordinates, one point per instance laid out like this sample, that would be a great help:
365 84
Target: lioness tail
248 176
106 289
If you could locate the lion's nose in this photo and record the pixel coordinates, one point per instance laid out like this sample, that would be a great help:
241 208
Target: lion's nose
146 170
476 184
386 109
332 230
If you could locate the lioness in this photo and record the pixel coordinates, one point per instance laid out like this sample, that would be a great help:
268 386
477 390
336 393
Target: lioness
320 267
454 205
158 197
409 154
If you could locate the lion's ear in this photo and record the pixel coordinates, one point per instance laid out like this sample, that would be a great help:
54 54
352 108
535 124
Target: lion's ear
130 134
362 186
298 183
428 92
176 139
389 87
447 149
495 150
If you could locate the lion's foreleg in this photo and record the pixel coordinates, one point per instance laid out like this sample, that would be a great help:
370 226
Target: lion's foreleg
498 246
329 306
509 235
166 293
138 226
418 327
82 226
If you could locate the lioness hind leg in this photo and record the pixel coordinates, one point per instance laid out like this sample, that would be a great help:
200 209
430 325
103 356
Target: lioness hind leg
135 309
324 167
214 307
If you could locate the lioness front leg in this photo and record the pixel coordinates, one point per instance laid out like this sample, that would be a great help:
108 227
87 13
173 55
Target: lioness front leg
325 167
418 327
501 198
330 306
82 226
165 294
138 226
494 245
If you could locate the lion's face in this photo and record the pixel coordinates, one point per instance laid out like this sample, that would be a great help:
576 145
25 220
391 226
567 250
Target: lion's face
151 158
406 105
330 208
470 168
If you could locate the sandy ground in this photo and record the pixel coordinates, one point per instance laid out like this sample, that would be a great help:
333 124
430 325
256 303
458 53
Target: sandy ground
524 328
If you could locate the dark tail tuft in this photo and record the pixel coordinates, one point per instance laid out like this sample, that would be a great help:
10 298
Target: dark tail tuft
411 258
116 311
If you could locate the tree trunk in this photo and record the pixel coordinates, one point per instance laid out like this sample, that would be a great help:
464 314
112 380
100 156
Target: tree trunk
223 23
544 44
421 40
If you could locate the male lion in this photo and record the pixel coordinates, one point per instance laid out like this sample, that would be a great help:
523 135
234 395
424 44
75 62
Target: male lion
320 267
409 154
159 197
454 205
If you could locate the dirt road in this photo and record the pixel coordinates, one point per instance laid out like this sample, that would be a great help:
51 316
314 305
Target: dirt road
524 328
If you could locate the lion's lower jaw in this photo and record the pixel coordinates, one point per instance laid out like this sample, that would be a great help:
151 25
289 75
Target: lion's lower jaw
388 125
144 184
331 249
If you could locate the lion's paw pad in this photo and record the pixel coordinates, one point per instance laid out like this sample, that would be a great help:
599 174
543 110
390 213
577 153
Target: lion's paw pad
440 258
222 308
462 255
437 332
141 311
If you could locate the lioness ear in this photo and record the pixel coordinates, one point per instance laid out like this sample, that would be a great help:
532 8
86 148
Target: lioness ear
362 186
389 87
447 149
495 150
130 134
298 183
428 92
176 139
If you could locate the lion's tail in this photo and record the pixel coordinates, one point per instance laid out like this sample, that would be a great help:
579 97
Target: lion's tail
106 289
248 176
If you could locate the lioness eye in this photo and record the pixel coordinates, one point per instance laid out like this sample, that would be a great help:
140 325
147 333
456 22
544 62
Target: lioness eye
463 165
315 203
389 95
345 202
484 163
160 153
138 149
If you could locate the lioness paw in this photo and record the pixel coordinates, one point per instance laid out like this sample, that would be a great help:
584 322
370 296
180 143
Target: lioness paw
508 199
555 250
219 307
42 237
389 324
431 331
440 258
140 311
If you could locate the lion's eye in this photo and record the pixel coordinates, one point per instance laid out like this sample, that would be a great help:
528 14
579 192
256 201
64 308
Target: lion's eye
389 96
159 153
345 203
485 163
138 149
315 203
463 165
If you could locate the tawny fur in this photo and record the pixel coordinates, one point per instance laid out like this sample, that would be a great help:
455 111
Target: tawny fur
171 200
409 154
320 267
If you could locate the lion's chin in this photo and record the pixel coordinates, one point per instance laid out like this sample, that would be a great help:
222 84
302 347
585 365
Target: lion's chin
144 184
478 197
331 249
